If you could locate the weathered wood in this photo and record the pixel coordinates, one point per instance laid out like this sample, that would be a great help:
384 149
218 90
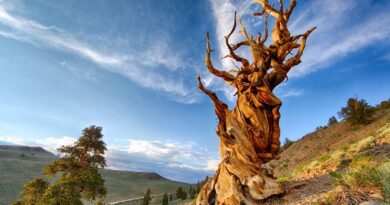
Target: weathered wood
249 134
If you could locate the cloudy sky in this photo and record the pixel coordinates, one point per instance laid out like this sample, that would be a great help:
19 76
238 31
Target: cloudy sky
130 67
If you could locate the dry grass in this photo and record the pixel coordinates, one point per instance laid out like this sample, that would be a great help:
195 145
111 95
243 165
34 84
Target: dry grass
327 149
365 179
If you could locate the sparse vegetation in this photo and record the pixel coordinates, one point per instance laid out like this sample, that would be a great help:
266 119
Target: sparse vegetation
332 161
364 174
287 143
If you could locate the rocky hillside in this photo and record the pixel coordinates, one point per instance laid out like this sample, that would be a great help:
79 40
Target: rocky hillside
339 164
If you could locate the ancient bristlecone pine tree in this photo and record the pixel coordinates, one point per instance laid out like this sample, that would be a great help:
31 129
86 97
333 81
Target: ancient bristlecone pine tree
249 134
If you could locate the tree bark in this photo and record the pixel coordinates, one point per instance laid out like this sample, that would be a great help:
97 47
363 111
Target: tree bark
240 178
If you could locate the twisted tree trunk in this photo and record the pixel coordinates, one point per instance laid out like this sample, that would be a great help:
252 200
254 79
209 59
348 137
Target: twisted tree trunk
249 134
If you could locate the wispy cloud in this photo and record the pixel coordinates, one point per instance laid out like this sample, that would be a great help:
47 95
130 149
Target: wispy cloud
137 66
50 143
86 73
343 28
179 161
289 92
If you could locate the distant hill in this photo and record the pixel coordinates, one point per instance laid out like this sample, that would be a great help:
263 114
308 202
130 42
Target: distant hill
19 164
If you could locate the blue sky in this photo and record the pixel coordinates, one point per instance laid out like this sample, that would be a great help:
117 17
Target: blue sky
130 67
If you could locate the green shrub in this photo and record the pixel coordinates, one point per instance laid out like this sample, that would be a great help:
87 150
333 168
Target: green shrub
332 121
357 111
283 179
298 169
384 105
323 158
384 176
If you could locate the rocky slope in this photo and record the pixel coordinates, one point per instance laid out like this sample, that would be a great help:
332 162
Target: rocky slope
338 164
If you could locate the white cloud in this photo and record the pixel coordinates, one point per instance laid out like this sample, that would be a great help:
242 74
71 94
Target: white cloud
178 161
187 155
13 140
284 91
50 143
213 164
135 65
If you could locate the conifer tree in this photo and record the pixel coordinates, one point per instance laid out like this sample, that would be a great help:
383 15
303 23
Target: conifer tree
192 192
332 121
183 195
198 187
78 171
357 111
179 192
165 199
147 198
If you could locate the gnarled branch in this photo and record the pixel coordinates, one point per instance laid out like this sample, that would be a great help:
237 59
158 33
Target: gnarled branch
220 107
244 61
222 74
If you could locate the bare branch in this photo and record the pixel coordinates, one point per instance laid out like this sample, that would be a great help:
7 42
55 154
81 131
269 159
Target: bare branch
222 74
219 106
281 7
297 58
259 13
238 45
244 61
287 14
273 12
265 29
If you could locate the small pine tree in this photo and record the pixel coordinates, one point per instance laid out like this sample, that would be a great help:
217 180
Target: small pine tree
357 111
79 174
165 199
192 192
184 195
198 187
147 198
179 192
332 121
